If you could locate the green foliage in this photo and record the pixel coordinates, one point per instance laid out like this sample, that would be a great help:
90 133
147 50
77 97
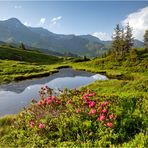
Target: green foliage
22 46
122 41
68 121
146 40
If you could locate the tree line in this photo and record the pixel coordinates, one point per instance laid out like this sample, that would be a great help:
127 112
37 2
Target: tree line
123 41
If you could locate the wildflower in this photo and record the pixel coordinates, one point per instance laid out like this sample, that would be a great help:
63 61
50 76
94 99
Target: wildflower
53 97
58 101
101 107
40 102
101 118
111 116
109 124
45 101
85 97
49 102
92 94
105 103
104 111
92 111
32 124
91 104
41 125
78 110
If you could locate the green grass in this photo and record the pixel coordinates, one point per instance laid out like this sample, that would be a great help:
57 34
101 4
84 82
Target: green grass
17 64
27 56
127 89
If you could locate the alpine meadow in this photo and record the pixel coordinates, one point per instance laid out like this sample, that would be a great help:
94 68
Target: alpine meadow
84 83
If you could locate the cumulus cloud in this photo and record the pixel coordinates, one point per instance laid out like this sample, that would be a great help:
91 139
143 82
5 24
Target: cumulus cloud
42 21
27 24
138 21
55 20
102 35
17 7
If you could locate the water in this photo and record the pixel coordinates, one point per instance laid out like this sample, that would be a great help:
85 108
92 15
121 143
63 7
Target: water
16 95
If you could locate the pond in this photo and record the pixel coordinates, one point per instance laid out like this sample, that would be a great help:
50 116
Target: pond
16 95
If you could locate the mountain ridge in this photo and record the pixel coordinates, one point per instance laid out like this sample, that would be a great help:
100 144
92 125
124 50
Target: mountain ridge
13 31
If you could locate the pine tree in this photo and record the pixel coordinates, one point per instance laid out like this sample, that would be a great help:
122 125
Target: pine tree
122 41
22 46
129 40
116 44
146 40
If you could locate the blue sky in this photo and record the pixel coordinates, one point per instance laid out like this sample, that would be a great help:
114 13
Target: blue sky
78 17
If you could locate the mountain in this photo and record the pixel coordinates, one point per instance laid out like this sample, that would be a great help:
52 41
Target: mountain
13 31
138 43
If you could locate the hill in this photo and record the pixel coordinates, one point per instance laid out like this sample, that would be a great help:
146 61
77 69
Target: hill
12 53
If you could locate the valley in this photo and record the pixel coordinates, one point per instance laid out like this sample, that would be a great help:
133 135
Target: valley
74 74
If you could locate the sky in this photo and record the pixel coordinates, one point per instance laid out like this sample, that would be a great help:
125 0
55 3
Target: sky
97 18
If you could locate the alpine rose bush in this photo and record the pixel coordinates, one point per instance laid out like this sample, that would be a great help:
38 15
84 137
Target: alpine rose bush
75 114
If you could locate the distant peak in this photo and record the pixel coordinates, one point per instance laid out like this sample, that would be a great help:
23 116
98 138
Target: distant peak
14 20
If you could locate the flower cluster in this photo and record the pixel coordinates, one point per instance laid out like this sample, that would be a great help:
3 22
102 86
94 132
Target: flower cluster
82 102
100 109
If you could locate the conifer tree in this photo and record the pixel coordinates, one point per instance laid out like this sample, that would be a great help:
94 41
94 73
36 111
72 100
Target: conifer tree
146 40
122 41
129 40
116 44
22 46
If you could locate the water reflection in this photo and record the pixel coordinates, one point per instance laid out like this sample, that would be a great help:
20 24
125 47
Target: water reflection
14 96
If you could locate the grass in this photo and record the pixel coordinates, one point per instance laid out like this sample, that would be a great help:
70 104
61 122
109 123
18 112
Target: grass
17 64
27 56
127 89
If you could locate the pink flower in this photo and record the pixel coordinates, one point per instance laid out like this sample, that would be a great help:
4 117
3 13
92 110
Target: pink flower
109 124
32 124
40 102
92 111
41 125
101 118
101 107
78 110
92 94
49 102
91 104
104 111
45 101
111 116
85 97
105 103
53 97
58 101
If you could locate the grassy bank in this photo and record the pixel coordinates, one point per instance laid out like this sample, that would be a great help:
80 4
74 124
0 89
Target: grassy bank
126 92
17 64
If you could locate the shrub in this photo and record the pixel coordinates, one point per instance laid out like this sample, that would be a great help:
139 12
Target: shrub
73 115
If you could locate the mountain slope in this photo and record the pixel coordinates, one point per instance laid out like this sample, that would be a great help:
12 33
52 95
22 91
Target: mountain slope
13 31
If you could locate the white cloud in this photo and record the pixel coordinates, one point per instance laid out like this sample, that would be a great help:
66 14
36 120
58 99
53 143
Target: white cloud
42 21
17 7
27 24
102 35
55 20
138 21
3 19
